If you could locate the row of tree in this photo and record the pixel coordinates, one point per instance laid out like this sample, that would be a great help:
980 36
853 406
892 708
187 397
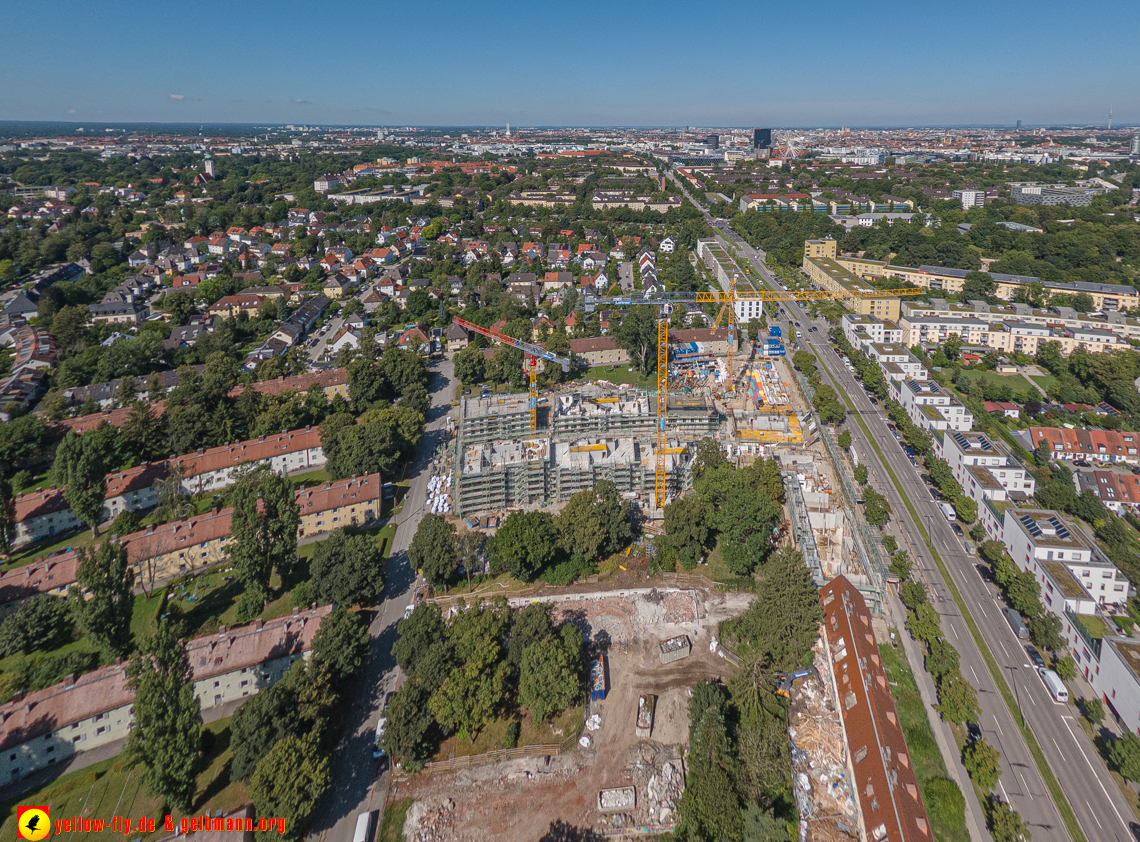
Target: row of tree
593 524
738 782
825 399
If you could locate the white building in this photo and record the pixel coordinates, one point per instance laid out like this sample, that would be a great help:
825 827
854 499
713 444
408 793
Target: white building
970 198
932 407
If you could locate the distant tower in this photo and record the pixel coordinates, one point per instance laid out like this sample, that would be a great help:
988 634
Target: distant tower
209 166
1134 145
508 129
1110 119
1018 126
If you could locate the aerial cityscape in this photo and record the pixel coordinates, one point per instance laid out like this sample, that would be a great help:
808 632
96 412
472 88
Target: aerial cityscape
655 442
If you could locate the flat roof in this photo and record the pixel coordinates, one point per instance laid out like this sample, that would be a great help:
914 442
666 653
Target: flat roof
1063 578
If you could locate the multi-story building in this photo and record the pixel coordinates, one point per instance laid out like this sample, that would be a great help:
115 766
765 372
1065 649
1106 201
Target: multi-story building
1064 318
284 453
80 714
970 198
827 274
931 406
1032 193
1103 445
1119 491
859 329
597 351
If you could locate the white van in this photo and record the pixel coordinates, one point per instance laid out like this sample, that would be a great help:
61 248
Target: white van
1054 685
363 828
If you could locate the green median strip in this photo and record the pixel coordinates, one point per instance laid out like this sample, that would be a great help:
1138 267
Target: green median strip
1063 807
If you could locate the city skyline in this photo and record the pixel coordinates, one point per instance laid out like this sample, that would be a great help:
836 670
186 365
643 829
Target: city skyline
492 64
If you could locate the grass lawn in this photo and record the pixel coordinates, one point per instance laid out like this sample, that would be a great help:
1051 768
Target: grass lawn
620 374
916 728
107 789
28 554
492 737
392 828
1014 381
1097 627
1044 380
311 478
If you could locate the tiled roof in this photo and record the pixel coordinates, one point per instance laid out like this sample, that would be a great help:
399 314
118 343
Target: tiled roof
254 450
298 382
885 781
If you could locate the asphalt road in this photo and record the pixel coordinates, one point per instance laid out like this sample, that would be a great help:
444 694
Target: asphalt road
317 352
1096 800
357 782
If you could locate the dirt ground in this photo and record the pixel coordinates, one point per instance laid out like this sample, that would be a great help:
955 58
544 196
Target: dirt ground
518 800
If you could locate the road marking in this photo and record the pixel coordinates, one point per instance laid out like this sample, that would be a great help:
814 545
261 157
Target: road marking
1054 739
1091 810
998 726
1005 794
1100 783
1024 784
976 681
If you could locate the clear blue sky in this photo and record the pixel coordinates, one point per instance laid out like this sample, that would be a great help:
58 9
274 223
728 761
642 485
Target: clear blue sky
591 63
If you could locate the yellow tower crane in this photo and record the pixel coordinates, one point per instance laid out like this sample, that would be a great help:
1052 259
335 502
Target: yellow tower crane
728 299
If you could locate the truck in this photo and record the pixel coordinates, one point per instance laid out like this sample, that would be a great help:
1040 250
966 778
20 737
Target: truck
1054 685
1016 623
947 510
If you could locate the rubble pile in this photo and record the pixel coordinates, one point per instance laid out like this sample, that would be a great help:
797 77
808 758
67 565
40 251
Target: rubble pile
625 619
657 773
431 823
819 762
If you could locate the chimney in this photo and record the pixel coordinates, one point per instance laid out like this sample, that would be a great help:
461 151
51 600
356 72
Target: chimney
222 631
258 625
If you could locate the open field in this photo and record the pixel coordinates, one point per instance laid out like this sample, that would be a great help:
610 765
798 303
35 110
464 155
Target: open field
1014 381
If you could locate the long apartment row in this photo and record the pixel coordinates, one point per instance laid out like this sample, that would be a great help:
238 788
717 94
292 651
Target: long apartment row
48 726
172 549
44 513
1079 584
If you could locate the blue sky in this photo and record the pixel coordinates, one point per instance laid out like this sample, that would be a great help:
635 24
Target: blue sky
589 63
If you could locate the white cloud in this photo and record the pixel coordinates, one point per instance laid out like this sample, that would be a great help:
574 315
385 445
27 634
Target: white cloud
178 96
71 111
301 102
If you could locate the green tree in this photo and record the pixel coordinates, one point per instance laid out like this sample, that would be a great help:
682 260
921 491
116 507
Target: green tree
341 643
845 439
687 529
1093 710
900 565
433 550
40 624
107 578
410 724
637 334
978 286
7 516
167 731
422 631
347 569
876 508
804 361
466 702
260 722
264 531
1066 668
1042 455
1045 632
1005 823
550 674
143 432
1124 755
861 474
828 406
579 528
288 784
784 621
613 515
525 544
709 807
983 762
957 699
1023 594
469 366
941 659
82 469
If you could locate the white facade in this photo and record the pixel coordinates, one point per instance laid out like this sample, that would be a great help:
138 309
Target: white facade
931 407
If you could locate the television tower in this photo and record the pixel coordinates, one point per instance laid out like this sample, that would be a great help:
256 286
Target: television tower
508 129
1110 119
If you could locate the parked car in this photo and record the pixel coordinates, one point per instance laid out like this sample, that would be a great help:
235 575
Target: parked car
1034 656
377 748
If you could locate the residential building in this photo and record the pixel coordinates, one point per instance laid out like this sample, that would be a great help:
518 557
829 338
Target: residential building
1118 491
827 274
970 198
599 351
1103 445
884 784
49 726
931 406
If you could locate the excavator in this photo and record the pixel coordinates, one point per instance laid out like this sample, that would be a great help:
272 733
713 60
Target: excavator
784 680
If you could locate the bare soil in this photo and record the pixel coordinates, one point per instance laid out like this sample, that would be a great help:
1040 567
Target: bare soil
518 800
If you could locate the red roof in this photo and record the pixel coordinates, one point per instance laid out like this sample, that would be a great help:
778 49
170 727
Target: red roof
884 773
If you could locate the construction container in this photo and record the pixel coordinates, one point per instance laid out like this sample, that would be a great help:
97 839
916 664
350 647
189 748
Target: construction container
646 705
774 330
598 684
675 648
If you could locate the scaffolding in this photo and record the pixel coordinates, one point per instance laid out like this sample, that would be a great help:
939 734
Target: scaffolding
503 475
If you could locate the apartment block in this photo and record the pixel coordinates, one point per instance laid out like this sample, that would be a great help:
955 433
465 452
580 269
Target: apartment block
1125 327
931 406
985 467
496 418
284 454
859 329
578 466
95 709
1119 491
726 271
503 474
827 274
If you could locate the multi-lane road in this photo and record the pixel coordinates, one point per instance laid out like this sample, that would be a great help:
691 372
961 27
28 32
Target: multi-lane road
358 783
1100 808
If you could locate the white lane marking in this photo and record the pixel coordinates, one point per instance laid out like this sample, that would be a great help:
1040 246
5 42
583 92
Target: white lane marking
976 681
1024 784
1054 739
1100 783
1091 810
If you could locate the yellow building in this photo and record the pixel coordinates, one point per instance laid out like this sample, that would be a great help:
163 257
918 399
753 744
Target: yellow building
825 247
825 273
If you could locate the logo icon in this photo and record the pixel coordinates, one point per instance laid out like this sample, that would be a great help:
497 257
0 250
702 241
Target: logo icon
32 823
